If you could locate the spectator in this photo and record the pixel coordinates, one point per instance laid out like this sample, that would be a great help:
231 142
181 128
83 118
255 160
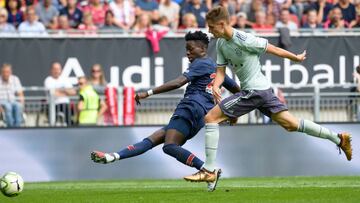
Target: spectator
10 88
311 20
335 20
124 13
143 22
260 22
28 3
149 7
255 5
31 26
231 9
188 22
323 9
46 12
198 8
298 7
241 21
54 24
15 15
4 26
62 88
90 106
285 21
64 23
73 13
162 25
171 10
97 11
59 4
273 11
357 25
348 11
97 79
357 7
88 25
109 22
356 76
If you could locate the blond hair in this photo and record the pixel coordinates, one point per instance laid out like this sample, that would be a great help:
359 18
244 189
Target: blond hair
217 14
4 12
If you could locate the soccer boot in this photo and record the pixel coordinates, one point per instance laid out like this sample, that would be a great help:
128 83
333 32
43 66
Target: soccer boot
102 157
212 185
345 145
203 176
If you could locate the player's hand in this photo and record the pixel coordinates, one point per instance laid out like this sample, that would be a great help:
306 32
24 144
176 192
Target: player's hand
217 94
301 57
139 96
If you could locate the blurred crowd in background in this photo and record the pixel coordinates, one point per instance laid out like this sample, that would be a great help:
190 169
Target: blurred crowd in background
136 16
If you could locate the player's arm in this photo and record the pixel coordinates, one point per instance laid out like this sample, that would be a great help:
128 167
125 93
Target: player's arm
166 87
218 81
277 51
231 85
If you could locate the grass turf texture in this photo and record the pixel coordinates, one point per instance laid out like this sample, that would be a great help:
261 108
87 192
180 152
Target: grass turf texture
274 189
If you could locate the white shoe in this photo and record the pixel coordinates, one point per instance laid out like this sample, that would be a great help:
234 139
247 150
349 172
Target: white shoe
212 185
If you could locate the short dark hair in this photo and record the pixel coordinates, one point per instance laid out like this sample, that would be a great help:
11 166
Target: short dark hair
358 69
197 36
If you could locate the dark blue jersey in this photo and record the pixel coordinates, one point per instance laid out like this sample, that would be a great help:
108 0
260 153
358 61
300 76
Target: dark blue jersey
198 99
201 74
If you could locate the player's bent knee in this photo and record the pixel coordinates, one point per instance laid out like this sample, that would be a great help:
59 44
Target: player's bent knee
168 149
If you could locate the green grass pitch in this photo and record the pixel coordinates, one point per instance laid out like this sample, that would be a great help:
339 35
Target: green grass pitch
272 189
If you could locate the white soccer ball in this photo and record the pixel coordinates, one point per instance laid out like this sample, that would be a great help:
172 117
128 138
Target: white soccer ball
11 184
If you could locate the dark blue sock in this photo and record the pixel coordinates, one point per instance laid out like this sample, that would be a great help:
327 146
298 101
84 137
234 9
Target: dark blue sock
136 149
183 155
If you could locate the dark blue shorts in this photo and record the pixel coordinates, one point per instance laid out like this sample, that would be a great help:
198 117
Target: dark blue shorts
188 119
247 100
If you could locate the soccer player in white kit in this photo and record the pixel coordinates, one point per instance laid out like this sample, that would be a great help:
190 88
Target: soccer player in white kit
242 51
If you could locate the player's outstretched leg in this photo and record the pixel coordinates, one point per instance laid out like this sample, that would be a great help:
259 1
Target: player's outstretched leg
290 123
130 151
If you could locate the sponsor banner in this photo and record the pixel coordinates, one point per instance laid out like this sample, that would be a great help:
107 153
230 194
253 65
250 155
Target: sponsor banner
255 150
130 61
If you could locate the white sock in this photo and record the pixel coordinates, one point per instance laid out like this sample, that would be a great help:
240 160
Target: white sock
211 145
116 155
317 130
109 157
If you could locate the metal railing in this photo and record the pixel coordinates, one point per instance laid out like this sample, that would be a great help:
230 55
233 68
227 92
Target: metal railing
330 104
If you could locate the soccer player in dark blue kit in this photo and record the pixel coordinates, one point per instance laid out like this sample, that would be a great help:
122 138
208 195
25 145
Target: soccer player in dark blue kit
188 117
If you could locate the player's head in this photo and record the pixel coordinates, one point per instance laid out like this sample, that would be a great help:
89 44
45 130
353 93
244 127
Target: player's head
218 19
196 45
